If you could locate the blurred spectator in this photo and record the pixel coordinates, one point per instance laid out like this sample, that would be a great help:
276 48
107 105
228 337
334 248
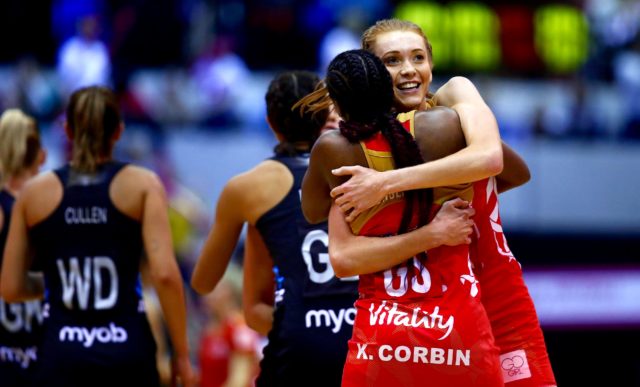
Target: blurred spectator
220 75
37 93
164 97
66 13
228 347
627 76
345 35
613 24
83 60
586 121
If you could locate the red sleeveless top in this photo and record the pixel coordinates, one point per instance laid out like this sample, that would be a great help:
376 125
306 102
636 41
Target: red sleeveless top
420 322
505 296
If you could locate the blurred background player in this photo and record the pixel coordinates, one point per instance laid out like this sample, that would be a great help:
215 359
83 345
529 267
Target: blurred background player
89 236
310 321
228 350
21 323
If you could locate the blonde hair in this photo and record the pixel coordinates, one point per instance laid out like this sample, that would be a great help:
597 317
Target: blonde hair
370 35
19 143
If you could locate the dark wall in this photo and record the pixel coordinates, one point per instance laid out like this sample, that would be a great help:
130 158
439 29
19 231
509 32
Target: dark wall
595 356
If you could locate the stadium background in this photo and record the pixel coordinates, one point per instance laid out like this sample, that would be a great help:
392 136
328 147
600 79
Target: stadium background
563 78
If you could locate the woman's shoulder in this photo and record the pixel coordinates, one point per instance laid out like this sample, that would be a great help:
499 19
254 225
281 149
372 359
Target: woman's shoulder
139 171
454 84
265 170
456 90
254 192
438 132
40 196
331 144
331 137
137 176
437 115
43 182
131 185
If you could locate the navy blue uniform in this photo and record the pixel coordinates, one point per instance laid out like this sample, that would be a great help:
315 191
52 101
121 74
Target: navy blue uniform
97 332
20 323
314 312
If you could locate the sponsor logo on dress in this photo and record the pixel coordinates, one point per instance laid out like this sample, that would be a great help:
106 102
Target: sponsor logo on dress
22 356
21 316
330 318
390 315
514 366
392 196
88 336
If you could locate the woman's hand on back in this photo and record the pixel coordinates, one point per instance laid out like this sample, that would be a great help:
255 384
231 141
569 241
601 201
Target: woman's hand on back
362 191
454 220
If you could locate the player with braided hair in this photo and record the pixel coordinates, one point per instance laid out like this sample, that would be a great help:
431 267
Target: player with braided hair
311 321
419 317
406 52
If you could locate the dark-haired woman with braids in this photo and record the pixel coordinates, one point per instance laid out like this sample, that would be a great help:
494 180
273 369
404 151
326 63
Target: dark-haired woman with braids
21 155
407 55
420 321
98 222
303 348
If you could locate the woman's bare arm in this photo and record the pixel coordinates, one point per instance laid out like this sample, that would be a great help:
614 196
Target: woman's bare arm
258 283
515 172
330 151
355 255
164 273
221 241
16 282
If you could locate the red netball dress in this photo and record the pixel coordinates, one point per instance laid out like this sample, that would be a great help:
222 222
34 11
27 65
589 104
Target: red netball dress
420 322
523 353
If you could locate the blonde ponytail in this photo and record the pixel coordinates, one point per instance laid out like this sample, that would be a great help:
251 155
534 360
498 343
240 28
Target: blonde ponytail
19 143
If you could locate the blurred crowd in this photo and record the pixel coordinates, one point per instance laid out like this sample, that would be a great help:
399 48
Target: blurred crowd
214 77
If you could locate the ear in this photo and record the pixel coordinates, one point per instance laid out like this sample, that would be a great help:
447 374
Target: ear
42 156
68 131
34 168
278 135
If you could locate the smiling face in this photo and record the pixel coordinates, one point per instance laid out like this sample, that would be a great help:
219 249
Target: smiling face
405 55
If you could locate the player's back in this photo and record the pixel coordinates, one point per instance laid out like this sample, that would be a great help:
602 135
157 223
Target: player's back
314 311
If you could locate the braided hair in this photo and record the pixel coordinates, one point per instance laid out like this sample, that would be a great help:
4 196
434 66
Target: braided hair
361 87
296 128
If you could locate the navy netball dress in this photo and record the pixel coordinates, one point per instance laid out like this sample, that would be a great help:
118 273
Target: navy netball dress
314 312
20 323
97 332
